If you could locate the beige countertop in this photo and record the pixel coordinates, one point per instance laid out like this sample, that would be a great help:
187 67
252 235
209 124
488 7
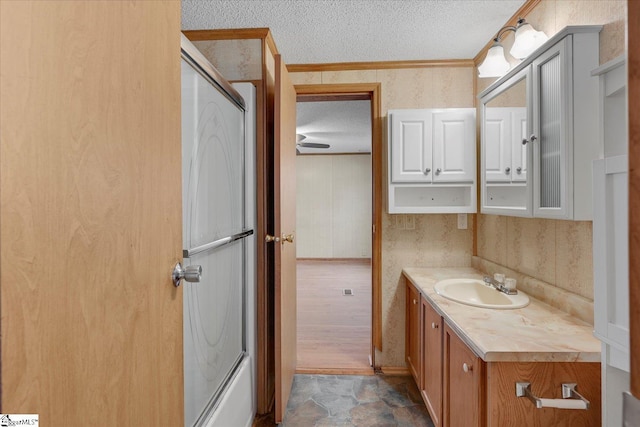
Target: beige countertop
535 333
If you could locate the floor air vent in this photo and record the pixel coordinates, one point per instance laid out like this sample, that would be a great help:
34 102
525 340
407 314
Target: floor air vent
347 292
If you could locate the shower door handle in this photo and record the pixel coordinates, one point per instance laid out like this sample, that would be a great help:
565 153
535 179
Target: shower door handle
191 273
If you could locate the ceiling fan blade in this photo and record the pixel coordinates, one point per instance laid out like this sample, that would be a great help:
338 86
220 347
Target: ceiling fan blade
313 145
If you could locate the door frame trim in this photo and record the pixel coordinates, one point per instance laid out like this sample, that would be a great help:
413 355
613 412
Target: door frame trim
370 91
633 86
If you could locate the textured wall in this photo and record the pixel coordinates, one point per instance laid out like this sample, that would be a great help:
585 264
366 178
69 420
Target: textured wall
234 59
333 206
556 252
435 240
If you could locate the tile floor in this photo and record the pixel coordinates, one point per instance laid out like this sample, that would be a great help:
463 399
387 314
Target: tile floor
347 400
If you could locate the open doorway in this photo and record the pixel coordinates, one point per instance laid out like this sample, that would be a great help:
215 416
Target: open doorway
336 242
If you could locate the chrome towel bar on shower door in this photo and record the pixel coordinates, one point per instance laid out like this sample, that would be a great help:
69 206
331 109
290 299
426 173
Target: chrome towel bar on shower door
186 253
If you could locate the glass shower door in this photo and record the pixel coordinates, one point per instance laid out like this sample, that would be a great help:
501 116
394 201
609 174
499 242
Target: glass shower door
213 232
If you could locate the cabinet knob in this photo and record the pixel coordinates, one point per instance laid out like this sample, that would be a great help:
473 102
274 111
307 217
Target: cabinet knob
507 170
467 368
434 325
426 171
415 301
438 171
519 170
532 138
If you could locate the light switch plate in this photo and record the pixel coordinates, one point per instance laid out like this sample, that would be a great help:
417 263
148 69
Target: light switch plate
410 222
462 221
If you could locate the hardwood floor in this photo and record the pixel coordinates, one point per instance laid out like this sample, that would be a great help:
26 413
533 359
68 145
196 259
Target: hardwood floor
334 331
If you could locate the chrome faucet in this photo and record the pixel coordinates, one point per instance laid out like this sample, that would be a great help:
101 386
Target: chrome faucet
500 287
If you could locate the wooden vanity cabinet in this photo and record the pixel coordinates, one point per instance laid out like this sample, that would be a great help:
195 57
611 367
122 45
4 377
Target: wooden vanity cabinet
463 384
460 389
431 385
412 332
546 378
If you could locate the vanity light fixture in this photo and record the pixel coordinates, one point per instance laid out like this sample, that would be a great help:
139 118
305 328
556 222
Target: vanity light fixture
526 40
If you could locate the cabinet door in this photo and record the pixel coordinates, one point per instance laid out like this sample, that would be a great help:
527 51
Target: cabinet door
497 144
464 395
454 146
431 386
553 149
518 121
412 333
506 116
411 150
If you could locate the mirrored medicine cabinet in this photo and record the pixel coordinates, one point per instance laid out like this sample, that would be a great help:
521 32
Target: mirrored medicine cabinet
539 131
505 159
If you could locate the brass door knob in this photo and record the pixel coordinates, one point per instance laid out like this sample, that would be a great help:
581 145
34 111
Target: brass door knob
269 238
287 238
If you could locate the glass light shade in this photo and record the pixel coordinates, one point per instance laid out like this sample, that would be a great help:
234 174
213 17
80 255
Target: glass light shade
494 64
526 41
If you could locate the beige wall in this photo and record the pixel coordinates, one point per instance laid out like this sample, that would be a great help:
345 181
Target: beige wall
556 252
333 202
435 241
234 59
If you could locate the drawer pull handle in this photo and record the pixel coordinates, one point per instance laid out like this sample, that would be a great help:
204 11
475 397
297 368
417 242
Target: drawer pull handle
571 399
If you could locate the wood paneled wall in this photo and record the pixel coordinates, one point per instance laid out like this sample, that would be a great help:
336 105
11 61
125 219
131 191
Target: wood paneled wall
334 206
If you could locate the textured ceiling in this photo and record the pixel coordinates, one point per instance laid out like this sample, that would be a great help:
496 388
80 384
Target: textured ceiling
324 31
345 125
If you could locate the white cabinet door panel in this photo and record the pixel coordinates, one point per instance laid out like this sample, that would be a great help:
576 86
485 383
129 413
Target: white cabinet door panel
553 150
453 156
411 147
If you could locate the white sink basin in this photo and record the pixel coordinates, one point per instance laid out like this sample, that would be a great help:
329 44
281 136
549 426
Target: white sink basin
478 294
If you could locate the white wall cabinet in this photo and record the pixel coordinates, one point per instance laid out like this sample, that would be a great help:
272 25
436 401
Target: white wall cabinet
545 111
432 161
